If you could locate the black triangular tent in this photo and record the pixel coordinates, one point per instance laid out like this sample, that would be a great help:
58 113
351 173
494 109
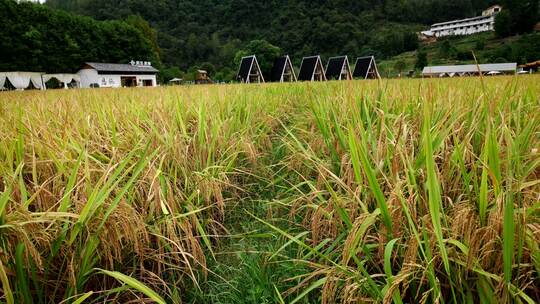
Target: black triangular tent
282 70
311 69
338 68
250 71
365 68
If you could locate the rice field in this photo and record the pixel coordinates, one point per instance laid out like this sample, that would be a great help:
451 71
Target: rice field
393 191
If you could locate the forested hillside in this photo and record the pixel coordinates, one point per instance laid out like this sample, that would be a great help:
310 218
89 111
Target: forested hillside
181 36
36 38
209 33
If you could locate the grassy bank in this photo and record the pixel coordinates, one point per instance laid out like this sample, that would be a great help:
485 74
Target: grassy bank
487 47
400 191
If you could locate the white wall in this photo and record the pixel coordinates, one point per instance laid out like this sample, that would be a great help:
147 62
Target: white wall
90 76
140 78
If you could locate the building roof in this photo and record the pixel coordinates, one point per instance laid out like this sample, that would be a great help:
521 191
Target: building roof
278 68
363 67
121 68
249 66
461 20
470 68
335 67
245 67
493 6
308 68
533 64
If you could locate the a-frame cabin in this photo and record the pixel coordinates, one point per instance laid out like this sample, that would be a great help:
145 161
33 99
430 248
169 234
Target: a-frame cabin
282 70
311 69
250 71
366 68
338 68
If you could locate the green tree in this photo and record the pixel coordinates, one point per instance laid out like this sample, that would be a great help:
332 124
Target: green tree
517 17
421 60
447 50
266 54
400 66
37 38
208 67
146 30
167 74
503 24
480 44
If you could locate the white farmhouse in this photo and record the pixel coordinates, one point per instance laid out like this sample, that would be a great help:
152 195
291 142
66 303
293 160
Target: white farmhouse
112 75
468 26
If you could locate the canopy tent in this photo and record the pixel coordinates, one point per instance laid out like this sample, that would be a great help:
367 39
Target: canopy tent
249 71
282 70
176 80
311 69
63 78
365 68
338 68
22 80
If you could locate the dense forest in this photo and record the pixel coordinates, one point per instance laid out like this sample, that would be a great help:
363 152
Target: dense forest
36 38
180 36
209 33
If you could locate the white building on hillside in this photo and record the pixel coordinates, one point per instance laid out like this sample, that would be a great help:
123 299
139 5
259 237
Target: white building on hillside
492 10
468 26
112 75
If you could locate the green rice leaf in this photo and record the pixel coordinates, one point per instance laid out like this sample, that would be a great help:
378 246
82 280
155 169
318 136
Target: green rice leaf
135 284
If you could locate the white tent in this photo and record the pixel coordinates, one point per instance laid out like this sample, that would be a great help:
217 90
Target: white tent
63 78
22 80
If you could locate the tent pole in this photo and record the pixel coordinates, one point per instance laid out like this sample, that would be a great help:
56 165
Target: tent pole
42 83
